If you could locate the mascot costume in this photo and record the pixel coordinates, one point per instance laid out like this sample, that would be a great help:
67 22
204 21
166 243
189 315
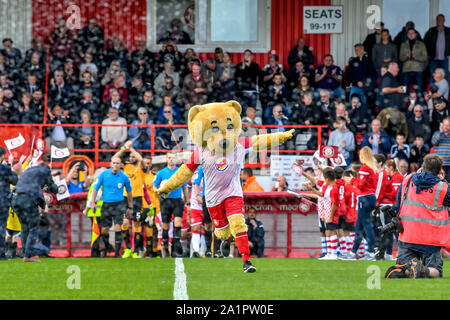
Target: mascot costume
215 129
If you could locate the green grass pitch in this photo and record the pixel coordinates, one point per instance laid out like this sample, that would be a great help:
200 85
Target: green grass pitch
212 279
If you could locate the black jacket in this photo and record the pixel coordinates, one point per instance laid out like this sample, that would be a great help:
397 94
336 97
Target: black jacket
33 180
430 42
7 177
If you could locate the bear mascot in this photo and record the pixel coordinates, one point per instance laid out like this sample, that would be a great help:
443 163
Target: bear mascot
215 128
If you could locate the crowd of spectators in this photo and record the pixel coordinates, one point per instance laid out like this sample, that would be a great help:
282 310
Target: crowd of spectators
392 95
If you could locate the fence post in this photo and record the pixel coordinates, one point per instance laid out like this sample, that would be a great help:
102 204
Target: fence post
152 140
96 146
289 234
69 234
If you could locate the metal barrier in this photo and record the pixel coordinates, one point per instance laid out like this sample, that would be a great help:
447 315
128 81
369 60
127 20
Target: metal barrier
186 144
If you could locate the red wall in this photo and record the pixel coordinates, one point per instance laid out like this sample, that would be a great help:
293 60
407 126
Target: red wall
123 18
128 20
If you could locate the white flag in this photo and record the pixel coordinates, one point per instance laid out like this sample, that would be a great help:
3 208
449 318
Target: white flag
63 190
339 161
58 153
15 142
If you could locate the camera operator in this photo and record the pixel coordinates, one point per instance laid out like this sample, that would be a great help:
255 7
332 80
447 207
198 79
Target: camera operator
27 198
76 178
424 225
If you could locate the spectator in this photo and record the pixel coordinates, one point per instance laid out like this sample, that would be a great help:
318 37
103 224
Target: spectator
281 184
25 112
116 52
327 107
87 83
248 78
59 91
295 75
169 52
38 105
36 47
302 87
167 102
142 63
91 39
255 234
418 151
112 137
120 86
164 136
211 72
195 89
437 41
361 73
376 139
393 122
250 183
228 65
89 66
440 111
13 56
373 38
301 52
226 89
343 139
4 67
147 103
218 54
439 88
70 75
59 136
271 69
176 34
112 73
329 76
384 52
276 93
6 107
136 91
400 150
141 135
414 56
85 135
167 72
391 93
74 183
412 101
418 125
87 103
441 143
309 113
278 118
31 85
34 66
250 117
62 44
170 89
403 167
116 102
402 36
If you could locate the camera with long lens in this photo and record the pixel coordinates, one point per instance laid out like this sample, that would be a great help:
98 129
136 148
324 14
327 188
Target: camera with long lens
395 225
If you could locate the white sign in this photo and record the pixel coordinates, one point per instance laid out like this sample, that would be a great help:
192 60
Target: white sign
282 166
63 190
57 153
322 19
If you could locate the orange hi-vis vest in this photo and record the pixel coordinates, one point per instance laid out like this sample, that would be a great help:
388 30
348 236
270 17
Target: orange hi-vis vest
423 216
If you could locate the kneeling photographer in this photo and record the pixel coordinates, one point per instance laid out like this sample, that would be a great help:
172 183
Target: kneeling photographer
423 224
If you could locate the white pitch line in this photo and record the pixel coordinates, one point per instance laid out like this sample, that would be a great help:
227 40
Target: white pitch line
179 288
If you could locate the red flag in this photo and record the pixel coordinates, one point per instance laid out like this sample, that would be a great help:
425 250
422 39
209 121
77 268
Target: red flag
328 152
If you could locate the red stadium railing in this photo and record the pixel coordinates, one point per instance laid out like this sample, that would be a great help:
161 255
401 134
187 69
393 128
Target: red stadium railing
96 151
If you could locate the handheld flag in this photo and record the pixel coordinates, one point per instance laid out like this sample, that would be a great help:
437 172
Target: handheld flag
14 142
58 153
95 230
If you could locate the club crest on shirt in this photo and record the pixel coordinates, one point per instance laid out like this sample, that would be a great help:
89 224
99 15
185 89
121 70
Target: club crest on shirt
119 185
221 164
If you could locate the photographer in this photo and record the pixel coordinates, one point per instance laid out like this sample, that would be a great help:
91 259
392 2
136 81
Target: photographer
75 178
424 225
27 198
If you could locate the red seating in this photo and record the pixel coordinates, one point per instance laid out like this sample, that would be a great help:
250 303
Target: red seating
274 254
317 254
299 254
59 253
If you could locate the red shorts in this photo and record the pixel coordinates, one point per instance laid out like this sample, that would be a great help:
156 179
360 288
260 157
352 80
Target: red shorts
196 217
229 207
